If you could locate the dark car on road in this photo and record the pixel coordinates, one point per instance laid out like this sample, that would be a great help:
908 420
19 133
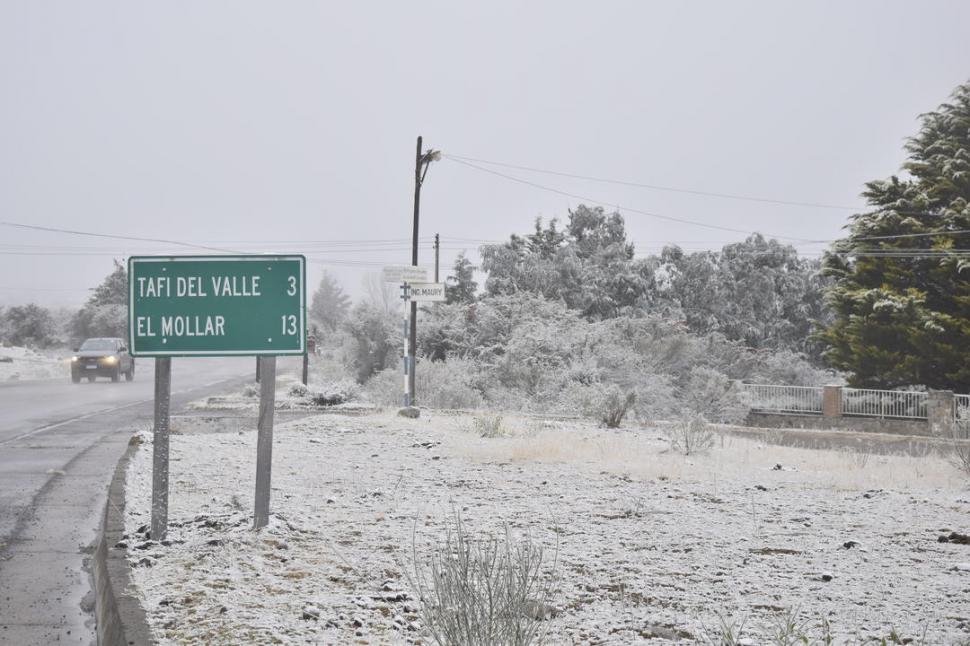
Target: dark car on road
103 357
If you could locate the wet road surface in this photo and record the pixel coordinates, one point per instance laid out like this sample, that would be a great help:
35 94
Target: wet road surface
59 445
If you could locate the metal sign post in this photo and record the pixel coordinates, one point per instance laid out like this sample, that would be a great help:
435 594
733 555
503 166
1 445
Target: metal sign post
264 440
215 306
405 293
160 433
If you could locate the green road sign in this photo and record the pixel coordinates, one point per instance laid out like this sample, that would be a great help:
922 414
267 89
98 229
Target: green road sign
216 305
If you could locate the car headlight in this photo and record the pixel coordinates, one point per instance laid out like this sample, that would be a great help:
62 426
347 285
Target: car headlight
75 359
111 360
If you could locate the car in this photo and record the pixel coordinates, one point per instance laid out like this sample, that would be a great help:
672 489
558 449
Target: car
102 357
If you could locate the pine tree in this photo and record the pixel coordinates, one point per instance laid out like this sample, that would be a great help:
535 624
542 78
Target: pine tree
113 290
330 304
460 286
106 312
902 290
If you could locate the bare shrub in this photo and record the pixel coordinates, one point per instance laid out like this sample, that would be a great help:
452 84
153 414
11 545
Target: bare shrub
488 425
712 394
614 407
440 384
690 434
859 457
960 456
386 388
478 591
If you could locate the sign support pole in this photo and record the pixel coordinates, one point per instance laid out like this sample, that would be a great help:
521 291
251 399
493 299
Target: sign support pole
407 352
163 391
264 439
306 367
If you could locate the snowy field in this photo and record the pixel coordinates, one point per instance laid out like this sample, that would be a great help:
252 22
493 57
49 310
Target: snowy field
17 363
648 544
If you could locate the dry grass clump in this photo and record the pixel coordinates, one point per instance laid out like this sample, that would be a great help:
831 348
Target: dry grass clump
488 425
792 627
479 591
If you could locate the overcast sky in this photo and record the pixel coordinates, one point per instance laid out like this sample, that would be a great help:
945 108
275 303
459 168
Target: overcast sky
286 126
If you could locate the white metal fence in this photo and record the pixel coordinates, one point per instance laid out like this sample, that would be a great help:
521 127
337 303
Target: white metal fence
856 402
783 399
866 402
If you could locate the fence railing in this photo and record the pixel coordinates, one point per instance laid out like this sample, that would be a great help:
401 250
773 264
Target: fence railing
838 401
783 399
866 402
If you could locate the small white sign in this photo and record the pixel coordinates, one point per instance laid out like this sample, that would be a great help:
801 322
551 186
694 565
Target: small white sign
405 274
427 292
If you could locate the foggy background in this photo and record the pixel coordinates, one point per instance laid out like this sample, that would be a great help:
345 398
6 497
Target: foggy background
290 127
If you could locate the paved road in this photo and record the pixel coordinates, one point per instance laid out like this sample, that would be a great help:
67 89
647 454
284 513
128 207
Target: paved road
59 445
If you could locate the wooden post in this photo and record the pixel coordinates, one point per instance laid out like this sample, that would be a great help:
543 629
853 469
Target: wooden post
264 440
160 434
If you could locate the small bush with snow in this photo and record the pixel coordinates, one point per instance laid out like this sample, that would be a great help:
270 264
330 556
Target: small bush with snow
335 393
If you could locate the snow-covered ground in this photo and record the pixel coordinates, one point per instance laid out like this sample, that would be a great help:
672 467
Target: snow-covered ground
18 363
649 544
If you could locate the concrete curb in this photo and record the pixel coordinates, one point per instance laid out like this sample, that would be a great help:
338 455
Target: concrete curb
121 619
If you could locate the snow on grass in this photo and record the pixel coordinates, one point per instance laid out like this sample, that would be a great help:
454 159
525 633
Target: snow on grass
648 543
20 364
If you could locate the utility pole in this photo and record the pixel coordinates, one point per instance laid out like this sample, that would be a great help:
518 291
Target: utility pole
421 162
437 249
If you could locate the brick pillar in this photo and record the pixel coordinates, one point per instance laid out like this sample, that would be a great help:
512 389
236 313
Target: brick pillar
831 401
940 413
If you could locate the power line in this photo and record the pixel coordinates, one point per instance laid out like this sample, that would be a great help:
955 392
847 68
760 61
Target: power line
603 180
614 205
115 237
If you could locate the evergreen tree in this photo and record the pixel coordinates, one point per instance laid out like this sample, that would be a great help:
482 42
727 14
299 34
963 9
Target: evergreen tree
113 290
460 286
106 312
330 304
902 275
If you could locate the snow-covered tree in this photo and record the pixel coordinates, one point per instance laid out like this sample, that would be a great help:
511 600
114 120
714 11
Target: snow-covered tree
757 291
376 338
460 286
902 274
330 304
27 325
106 312
589 266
